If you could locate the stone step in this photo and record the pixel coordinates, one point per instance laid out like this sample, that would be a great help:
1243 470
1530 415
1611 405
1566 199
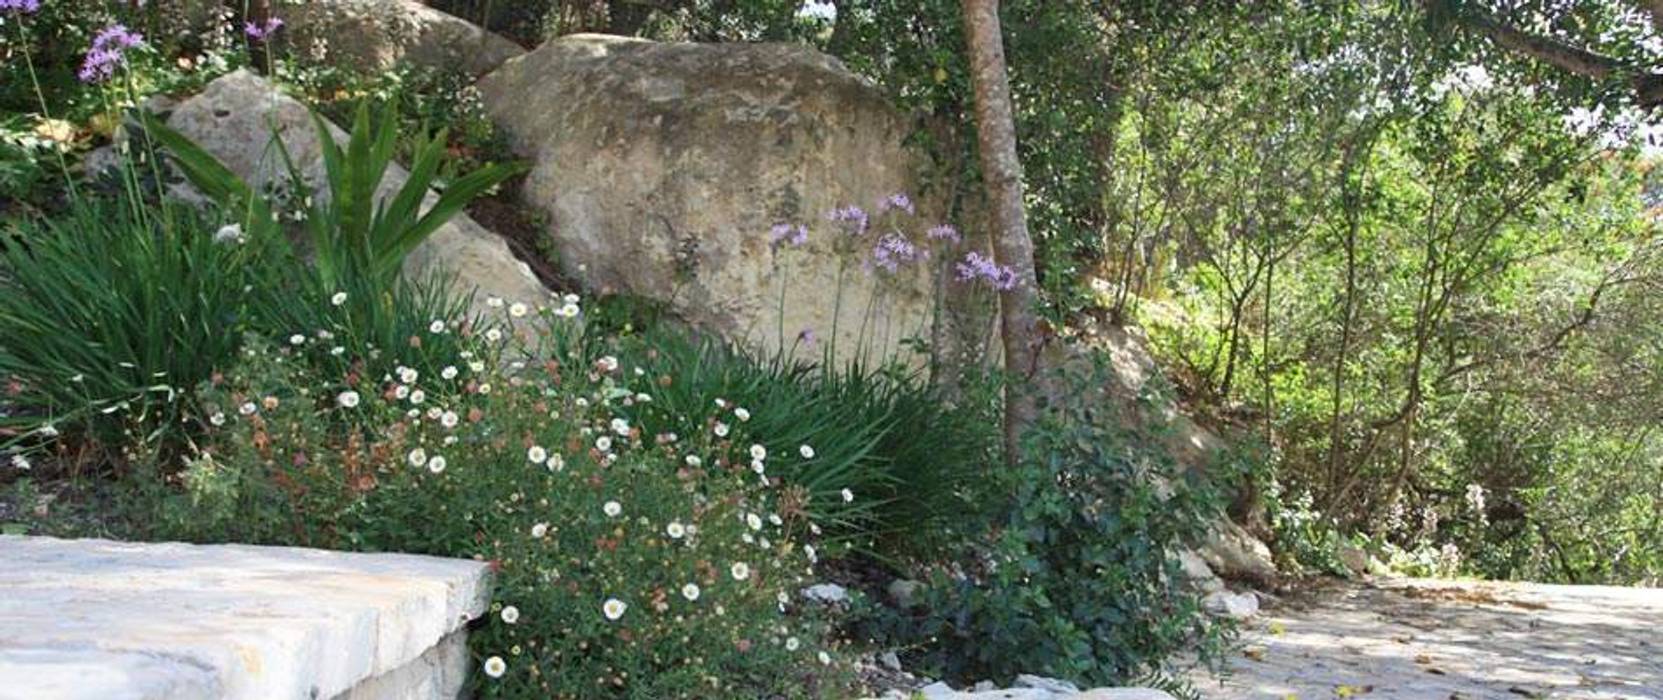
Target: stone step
85 619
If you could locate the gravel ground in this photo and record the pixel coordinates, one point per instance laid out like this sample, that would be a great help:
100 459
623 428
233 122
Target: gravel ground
1450 640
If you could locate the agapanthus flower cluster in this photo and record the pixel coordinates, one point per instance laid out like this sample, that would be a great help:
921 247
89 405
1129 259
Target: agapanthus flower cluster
787 234
944 232
27 7
853 218
262 31
896 201
108 52
976 266
894 250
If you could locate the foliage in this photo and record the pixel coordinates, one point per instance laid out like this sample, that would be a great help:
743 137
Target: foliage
537 467
96 305
1073 578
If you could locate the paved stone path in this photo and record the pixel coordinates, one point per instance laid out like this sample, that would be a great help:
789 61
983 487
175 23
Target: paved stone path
1416 639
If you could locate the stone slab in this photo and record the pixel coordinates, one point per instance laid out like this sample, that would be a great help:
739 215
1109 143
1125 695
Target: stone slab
115 620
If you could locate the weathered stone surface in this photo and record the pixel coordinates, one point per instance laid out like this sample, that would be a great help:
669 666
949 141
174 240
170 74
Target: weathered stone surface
97 619
1234 554
234 118
375 35
1236 606
1124 694
663 167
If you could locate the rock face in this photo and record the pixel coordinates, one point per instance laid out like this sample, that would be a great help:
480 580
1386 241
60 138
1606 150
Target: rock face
374 35
1234 554
234 118
97 619
663 169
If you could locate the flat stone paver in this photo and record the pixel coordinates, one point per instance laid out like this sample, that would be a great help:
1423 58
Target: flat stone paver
114 620
1414 639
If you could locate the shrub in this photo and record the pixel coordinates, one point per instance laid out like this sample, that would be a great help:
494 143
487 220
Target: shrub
884 437
1073 579
112 312
629 562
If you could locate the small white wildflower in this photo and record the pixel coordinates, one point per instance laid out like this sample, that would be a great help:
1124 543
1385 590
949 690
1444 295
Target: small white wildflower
721 403
408 375
417 457
401 392
808 549
758 466
774 519
338 299
759 452
337 351
493 335
436 326
612 509
476 366
510 614
449 419
742 414
825 658
518 310
568 311
848 496
229 233
448 372
806 451
217 419
536 454
556 462
493 302
620 426
603 443
613 608
485 388
675 530
740 571
436 464
495 667
297 339
21 463
539 530
607 364
690 591
248 408
792 644
418 396
721 430
753 520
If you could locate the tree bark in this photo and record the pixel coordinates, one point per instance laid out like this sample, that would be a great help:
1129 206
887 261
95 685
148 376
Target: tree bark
1012 246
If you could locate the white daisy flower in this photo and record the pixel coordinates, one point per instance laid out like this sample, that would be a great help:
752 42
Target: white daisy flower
603 443
436 464
248 408
620 426
495 667
740 571
338 299
493 335
401 392
753 520
417 457
792 644
449 372
537 455
449 419
607 364
539 530
693 461
613 608
782 597
806 451
742 414
612 509
555 462
568 311
721 430
759 452
493 302
808 549
476 366
510 614
690 591
217 419
436 326
675 530
418 396
848 496
825 658
774 518
338 350
758 467
297 339
485 388
518 310
21 463
408 375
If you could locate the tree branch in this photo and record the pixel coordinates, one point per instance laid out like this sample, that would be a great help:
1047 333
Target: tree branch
1647 85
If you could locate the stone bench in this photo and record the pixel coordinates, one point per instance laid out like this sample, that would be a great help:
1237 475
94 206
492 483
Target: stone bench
114 620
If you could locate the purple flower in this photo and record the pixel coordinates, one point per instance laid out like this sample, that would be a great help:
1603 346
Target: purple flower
944 232
806 337
26 7
894 250
108 52
854 217
259 32
980 267
794 235
896 201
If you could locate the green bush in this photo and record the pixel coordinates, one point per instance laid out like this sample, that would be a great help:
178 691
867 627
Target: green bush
112 312
1074 579
536 467
888 460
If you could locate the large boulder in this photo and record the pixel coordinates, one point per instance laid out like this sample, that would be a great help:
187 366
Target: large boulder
664 167
375 35
235 119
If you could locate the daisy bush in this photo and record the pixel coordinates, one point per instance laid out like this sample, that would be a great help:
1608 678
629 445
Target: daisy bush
629 561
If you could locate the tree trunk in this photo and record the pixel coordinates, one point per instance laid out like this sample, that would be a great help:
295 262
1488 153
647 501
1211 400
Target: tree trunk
1002 176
